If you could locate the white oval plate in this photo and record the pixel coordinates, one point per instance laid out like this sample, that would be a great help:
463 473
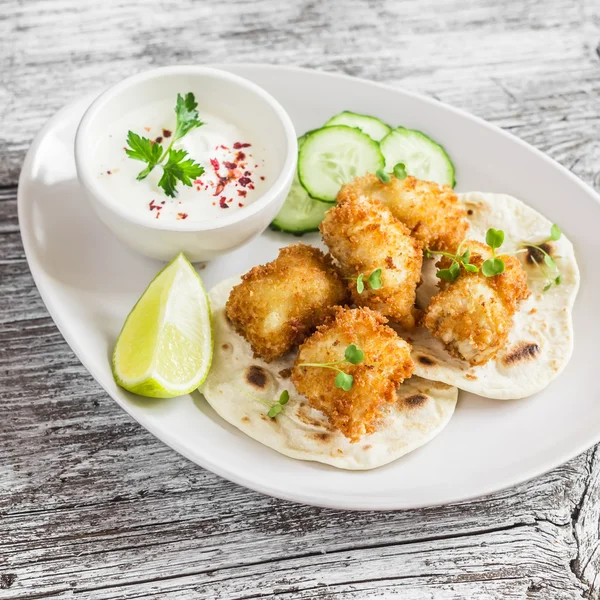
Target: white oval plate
89 282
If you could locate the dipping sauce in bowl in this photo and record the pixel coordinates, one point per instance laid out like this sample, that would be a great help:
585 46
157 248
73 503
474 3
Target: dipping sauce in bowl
186 159
236 166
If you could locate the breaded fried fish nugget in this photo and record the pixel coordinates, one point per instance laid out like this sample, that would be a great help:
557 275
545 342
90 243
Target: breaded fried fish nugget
473 315
386 363
278 304
363 236
432 212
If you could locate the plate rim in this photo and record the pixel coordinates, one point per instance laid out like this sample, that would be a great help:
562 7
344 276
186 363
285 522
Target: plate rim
356 503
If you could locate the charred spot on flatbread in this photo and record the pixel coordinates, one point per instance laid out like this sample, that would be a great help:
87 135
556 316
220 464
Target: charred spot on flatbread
535 255
521 353
226 346
425 360
257 377
245 419
415 400
321 436
285 373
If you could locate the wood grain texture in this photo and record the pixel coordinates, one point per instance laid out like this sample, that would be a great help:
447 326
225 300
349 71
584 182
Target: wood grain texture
91 505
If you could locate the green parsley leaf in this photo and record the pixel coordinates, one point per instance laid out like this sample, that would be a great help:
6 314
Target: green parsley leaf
354 354
492 267
177 169
400 171
187 115
494 238
375 279
144 150
360 286
344 381
555 232
383 176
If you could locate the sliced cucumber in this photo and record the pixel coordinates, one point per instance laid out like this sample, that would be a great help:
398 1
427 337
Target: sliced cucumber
372 126
300 213
422 157
335 155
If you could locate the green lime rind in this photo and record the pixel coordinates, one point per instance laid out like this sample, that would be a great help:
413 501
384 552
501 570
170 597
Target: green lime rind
145 330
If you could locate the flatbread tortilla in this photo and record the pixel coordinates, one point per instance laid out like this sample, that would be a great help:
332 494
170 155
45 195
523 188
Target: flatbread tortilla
422 410
541 340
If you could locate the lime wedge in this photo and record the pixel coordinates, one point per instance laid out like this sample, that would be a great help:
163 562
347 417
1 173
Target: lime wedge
165 347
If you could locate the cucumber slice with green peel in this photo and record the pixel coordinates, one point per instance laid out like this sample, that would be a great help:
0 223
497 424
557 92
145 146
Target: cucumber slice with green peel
372 126
300 213
422 157
335 155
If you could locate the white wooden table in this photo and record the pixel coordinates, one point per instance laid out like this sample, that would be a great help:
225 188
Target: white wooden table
91 505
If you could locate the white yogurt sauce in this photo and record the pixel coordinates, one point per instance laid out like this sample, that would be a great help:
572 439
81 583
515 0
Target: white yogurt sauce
236 169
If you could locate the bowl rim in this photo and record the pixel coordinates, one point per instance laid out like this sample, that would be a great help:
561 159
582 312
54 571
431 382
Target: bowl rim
83 158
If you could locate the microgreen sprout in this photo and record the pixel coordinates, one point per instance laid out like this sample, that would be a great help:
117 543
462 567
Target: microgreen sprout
554 277
354 355
175 163
400 171
275 407
494 238
458 260
383 175
374 281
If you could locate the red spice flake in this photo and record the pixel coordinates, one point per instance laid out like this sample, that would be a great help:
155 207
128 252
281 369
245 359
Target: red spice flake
163 202
222 202
147 128
262 177
247 173
251 187
256 166
239 145
215 164
166 133
198 181
221 185
240 204
224 147
153 206
244 181
181 216
198 188
230 165
158 140
108 173
242 193
230 200
157 215
240 156
214 203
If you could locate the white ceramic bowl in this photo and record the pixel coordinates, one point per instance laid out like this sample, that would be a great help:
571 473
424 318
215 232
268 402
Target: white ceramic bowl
233 97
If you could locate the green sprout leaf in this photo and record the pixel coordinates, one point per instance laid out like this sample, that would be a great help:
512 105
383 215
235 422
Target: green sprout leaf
400 171
454 269
549 261
274 411
558 279
284 397
555 232
354 354
360 285
344 381
547 286
446 275
494 238
471 268
383 176
492 267
375 279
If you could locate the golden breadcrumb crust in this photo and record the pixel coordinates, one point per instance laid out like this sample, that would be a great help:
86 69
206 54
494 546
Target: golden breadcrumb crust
386 364
278 304
363 235
473 315
432 212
